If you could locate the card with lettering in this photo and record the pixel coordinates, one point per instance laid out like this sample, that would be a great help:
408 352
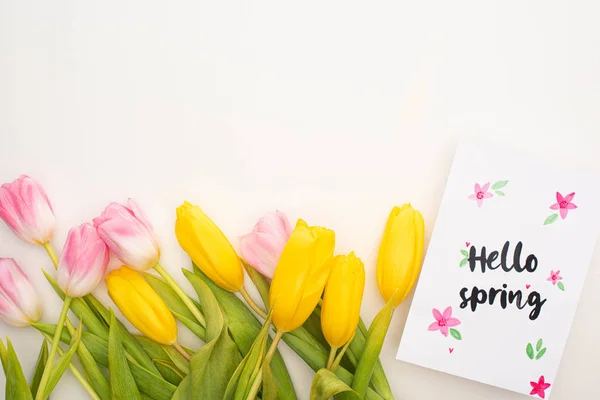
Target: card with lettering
504 270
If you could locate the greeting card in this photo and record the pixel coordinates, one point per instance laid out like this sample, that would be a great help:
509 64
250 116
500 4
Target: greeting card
504 270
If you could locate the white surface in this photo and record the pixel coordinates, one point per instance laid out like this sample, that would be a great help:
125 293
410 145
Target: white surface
494 338
333 111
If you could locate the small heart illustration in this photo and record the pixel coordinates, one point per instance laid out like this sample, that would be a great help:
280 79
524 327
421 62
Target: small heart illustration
451 349
468 243
527 286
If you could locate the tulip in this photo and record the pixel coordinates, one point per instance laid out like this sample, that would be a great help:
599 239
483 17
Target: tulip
141 305
301 275
263 246
208 247
19 301
340 311
400 253
398 266
129 235
26 209
83 262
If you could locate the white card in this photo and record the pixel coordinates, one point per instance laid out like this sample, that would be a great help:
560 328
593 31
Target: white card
539 213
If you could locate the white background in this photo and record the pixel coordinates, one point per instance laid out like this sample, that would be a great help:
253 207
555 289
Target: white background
332 110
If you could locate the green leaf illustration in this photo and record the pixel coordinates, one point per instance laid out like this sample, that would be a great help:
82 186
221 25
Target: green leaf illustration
499 184
529 351
541 354
455 334
464 253
463 262
561 286
539 345
551 219
499 192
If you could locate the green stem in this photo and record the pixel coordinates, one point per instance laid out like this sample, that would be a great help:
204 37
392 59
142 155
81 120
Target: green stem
184 297
54 349
258 380
331 356
86 385
181 351
335 364
273 347
255 386
252 304
48 247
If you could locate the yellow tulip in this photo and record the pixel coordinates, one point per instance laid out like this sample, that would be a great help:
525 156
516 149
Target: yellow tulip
342 299
301 275
141 305
400 253
208 247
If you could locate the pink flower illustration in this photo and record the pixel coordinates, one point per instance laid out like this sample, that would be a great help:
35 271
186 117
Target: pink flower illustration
539 387
554 277
563 204
443 321
480 193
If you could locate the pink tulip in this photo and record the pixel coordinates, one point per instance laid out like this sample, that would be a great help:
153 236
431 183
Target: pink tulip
25 207
83 261
19 301
263 246
129 235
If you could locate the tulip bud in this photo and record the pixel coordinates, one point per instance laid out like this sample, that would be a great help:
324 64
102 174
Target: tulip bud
208 247
340 311
26 209
83 261
301 275
400 253
263 246
19 301
128 233
141 305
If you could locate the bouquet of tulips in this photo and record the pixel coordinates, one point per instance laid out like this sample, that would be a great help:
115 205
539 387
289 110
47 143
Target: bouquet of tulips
311 300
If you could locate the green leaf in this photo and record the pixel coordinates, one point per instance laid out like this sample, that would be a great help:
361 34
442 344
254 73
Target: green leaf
261 283
170 297
464 253
327 384
97 347
463 262
499 185
499 192
16 384
455 334
122 383
63 362
168 365
39 368
252 363
561 286
213 366
375 337
149 383
90 367
82 311
244 327
183 390
378 379
196 329
529 351
159 357
269 386
539 345
3 355
550 219
541 354
212 311
180 362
